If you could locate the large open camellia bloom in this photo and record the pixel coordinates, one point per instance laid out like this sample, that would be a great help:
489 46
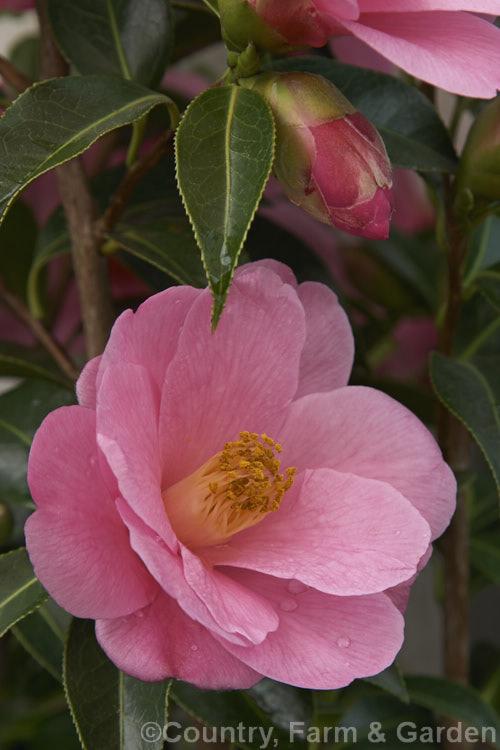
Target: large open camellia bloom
223 505
440 41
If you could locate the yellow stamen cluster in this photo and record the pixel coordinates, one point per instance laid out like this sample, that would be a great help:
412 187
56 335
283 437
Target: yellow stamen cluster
230 492
252 470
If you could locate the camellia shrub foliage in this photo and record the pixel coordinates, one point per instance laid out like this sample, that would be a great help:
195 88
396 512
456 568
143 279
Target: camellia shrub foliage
250 356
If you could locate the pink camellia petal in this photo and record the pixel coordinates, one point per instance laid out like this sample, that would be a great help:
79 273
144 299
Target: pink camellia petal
456 51
365 432
328 353
148 338
161 641
127 433
400 594
76 541
262 332
322 641
86 388
238 624
325 535
408 6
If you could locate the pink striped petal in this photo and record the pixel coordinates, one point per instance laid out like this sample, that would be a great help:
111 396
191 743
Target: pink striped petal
86 383
327 535
323 642
161 641
77 543
456 51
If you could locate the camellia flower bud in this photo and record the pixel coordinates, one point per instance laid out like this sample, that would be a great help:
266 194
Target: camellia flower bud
242 25
329 159
480 164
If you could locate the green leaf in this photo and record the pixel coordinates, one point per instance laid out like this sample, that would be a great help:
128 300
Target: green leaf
283 704
484 249
231 709
43 634
114 37
489 285
485 556
56 120
392 681
413 133
460 702
26 362
466 393
20 590
17 243
109 708
160 234
224 152
21 412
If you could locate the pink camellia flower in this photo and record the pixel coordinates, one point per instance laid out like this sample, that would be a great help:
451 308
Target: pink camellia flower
442 42
329 159
223 505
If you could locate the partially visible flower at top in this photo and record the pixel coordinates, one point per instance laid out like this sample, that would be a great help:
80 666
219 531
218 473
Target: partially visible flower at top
16 6
329 159
223 505
442 42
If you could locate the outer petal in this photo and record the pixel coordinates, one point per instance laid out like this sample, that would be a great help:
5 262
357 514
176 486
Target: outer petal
239 615
161 641
364 432
400 594
339 533
387 6
323 641
77 543
456 51
328 353
149 337
127 433
86 383
242 377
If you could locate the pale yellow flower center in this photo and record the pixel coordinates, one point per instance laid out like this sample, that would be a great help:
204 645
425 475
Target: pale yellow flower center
233 490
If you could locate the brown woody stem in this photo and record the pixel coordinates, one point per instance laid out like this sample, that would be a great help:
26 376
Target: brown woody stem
21 311
90 267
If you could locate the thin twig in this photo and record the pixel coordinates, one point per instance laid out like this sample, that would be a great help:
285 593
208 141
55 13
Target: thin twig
58 354
90 268
17 80
454 440
127 186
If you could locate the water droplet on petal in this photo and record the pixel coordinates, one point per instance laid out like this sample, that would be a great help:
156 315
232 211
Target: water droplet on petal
343 642
296 587
221 546
157 538
139 613
194 647
288 605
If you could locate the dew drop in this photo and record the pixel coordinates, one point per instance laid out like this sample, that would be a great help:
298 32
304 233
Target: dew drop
288 605
140 613
194 647
296 587
343 642
221 546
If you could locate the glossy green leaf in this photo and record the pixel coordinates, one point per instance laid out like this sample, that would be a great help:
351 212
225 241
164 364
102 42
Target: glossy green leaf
488 284
466 393
17 243
484 249
485 556
21 412
56 120
114 37
25 362
233 709
160 234
224 152
460 702
413 133
20 590
43 635
283 704
110 708
392 681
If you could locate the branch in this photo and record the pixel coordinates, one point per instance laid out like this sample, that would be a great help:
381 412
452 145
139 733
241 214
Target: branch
90 268
58 354
17 80
128 184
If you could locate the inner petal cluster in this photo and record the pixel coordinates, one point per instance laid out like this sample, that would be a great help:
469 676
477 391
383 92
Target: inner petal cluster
231 491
